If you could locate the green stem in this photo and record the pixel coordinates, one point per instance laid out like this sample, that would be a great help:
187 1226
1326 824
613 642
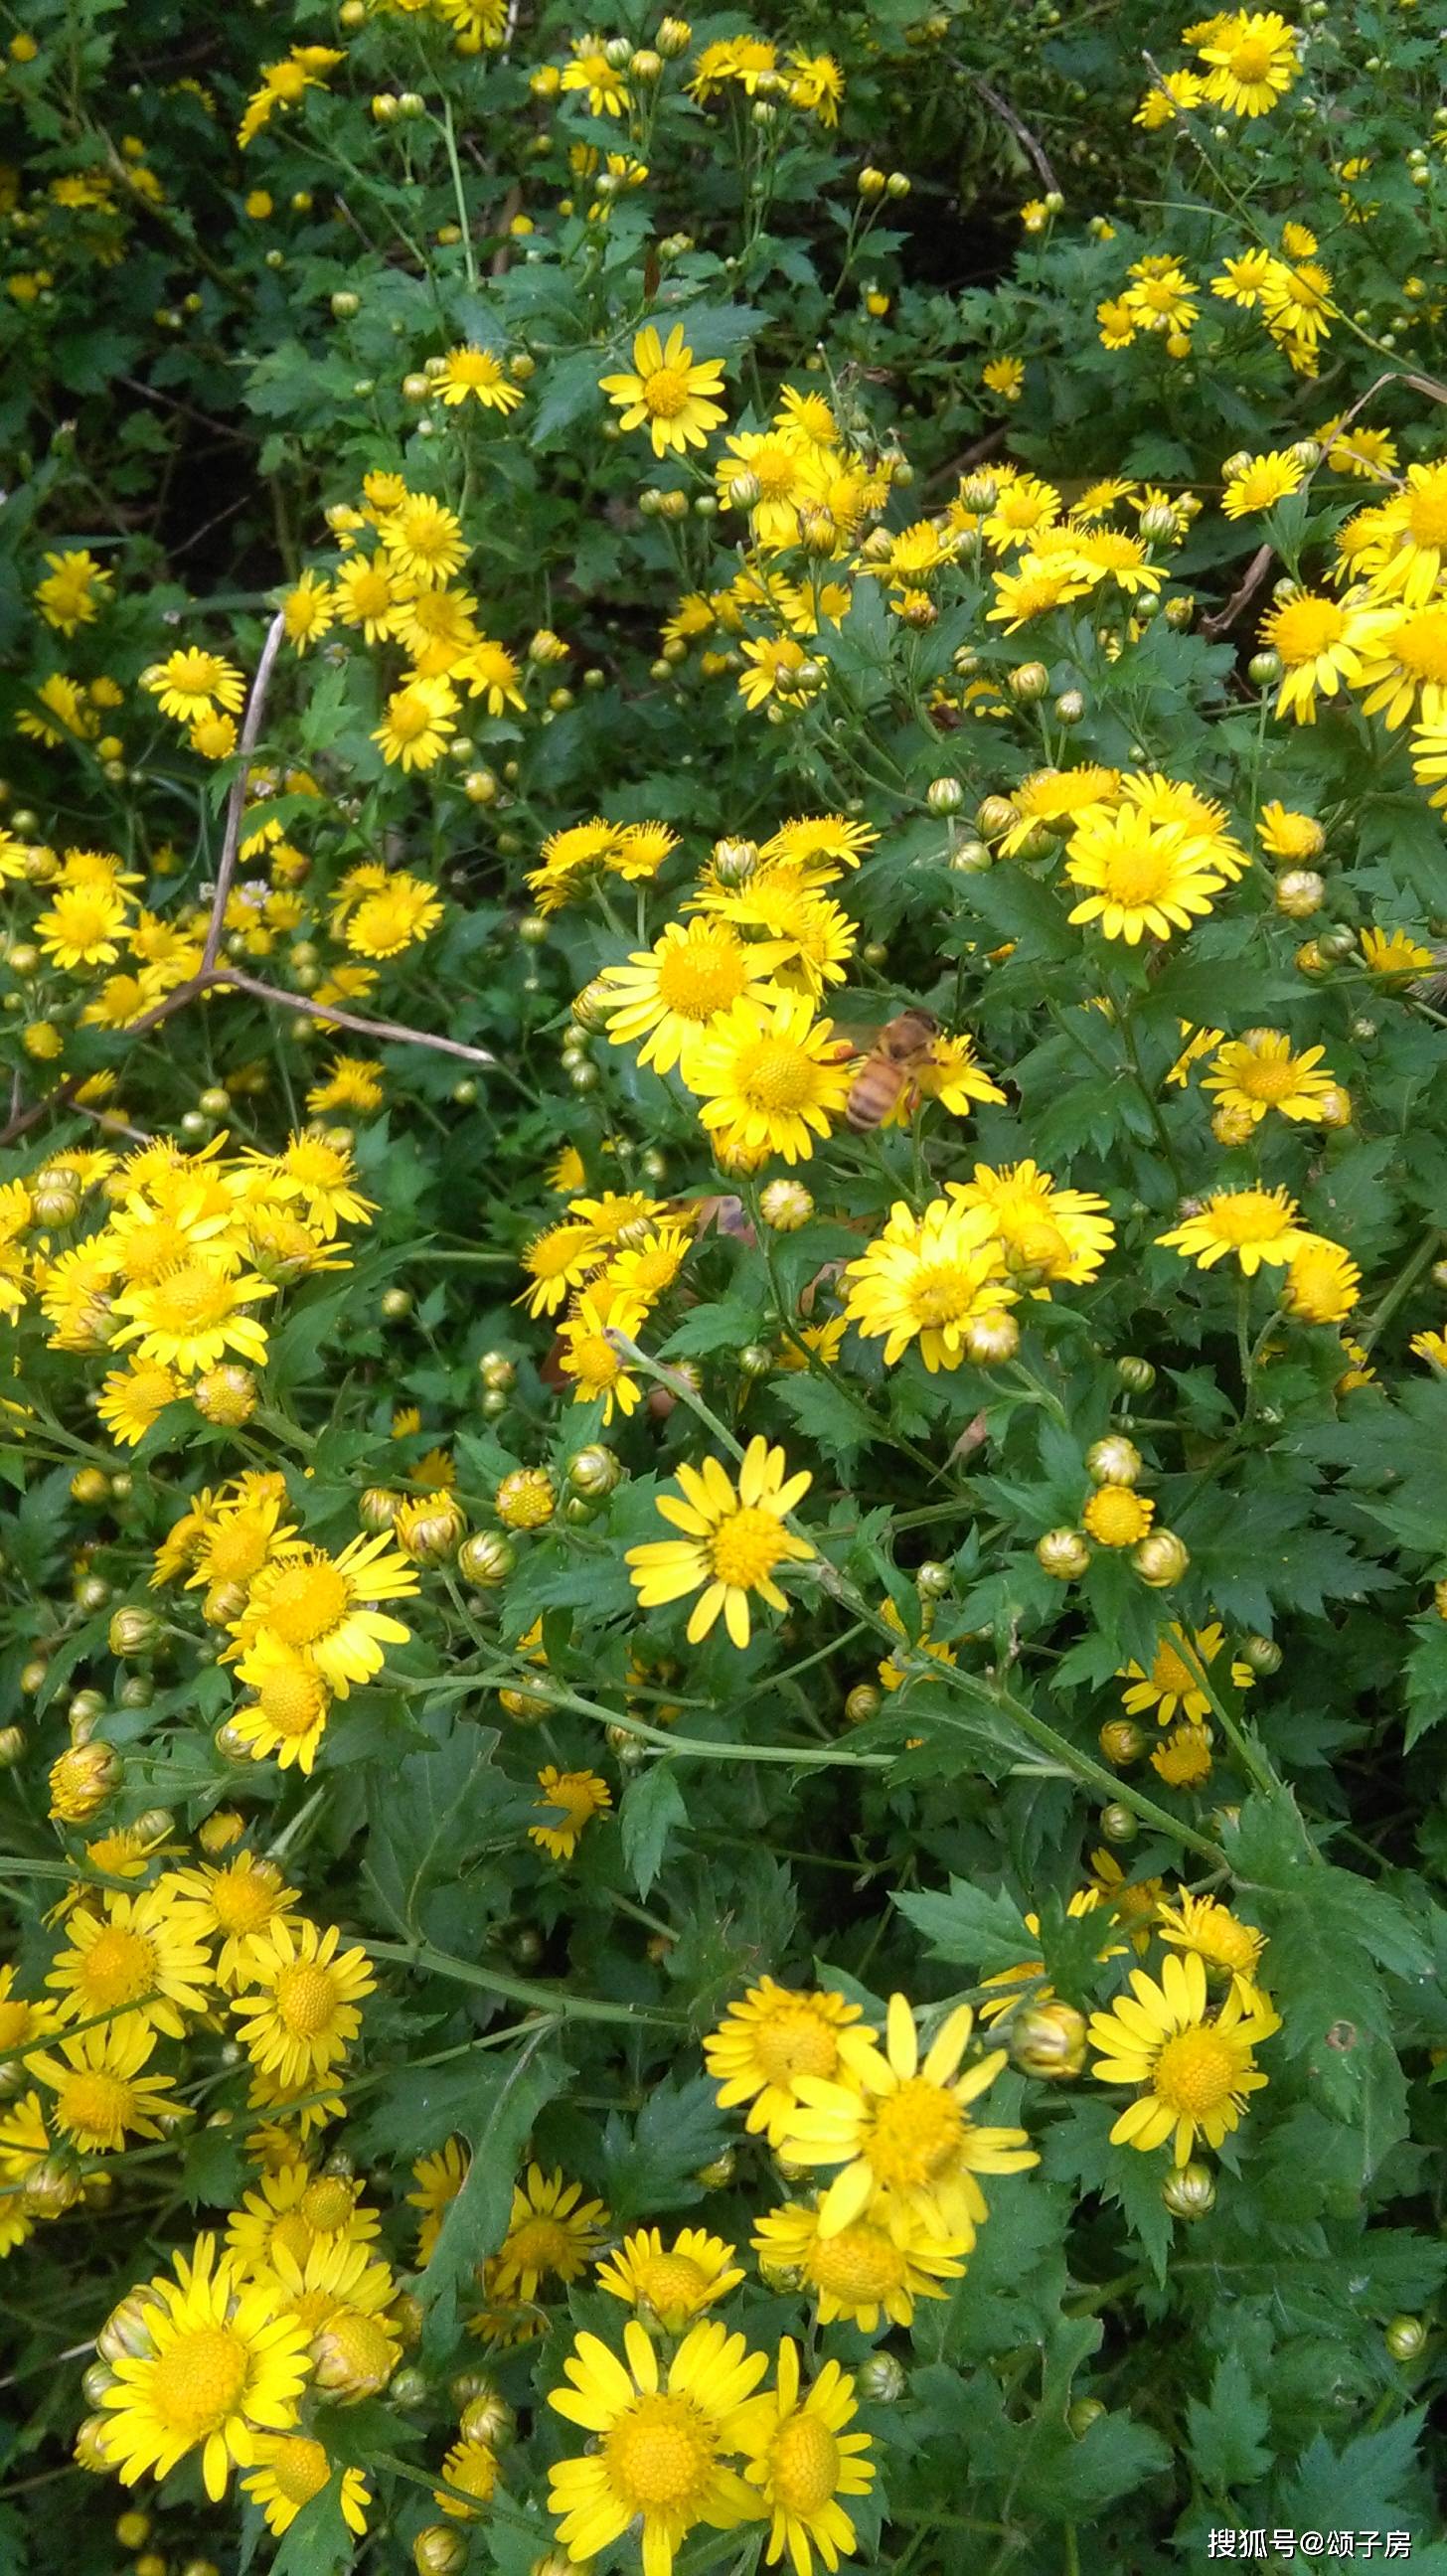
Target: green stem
449 137
550 2001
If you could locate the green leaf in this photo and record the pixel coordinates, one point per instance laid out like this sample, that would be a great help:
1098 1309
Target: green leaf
652 2166
652 1805
508 2102
827 1416
971 1927
318 2542
1364 2486
428 1817
1226 2437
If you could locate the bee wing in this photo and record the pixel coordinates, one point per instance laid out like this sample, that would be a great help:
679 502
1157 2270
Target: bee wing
856 1039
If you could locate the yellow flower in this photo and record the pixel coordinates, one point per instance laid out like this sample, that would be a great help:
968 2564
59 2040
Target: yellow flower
235 1903
1140 876
294 2210
1429 761
591 1358
1431 1347
769 1077
1171 1687
101 2096
82 926
815 83
749 60
366 595
300 2016
552 2234
1115 1516
415 726
1046 1232
132 1399
192 682
1194 2069
1003 376
140 1958
903 2126
1259 1072
476 374
1286 834
1184 1760
1253 59
191 1315
1405 673
873 2269
667 391
733 1538
354 1083
217 2366
439 2178
674 2285
591 72
470 2467
1051 799
574 1798
1199 1923
424 539
802 2461
1257 1225
668 995
930 1278
1395 952
309 610
316 1605
1163 103
283 84
72 590
291 2468
1262 481
1321 642
661 2444
764 2043
1413 527
1323 1283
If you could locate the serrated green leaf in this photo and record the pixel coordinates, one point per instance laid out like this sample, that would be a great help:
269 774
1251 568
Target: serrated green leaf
971 1927
1227 2435
652 1805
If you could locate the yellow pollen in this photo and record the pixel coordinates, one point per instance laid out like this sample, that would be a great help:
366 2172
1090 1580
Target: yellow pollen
804 2463
660 2455
665 392
1137 876
409 715
120 1967
1420 645
1427 513
242 1899
93 2101
861 2264
1195 2072
300 2467
306 1998
327 2205
672 2282
293 2235
197 2384
913 2135
540 2244
193 1295
238 1550
290 1702
746 1547
306 1601
1169 1673
1269 1078
1251 59
942 1293
774 1073
795 2042
1249 1218
704 977
1306 627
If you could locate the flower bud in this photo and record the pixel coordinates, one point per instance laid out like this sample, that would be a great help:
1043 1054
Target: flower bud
1190 2192
1122 1741
882 2379
222 1828
1062 1553
355 2356
1028 682
1405 2338
1137 1374
49 2189
979 493
487 2418
944 795
82 1780
734 862
785 1206
89 2451
970 858
1232 1123
1114 1461
378 1507
486 1558
1084 2412
989 1340
1070 706
1155 523
863 1703
1262 1654
438 2551
871 182
1334 1106
428 1527
933 1582
12 1746
1264 670
1160 1558
994 815
134 1630
226 1395
719 2172
594 1472
526 1499
1048 2040
755 1360
90 1485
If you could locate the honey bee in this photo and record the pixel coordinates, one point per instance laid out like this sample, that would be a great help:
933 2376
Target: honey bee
901 1050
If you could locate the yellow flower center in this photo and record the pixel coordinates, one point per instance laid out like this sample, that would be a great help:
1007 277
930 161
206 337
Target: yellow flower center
1427 511
293 2235
1115 1516
306 1998
93 2101
314 2309
197 2384
1251 59
1306 627
327 2205
306 1602
861 2265
191 1298
701 975
1169 1673
804 2464
794 2042
237 1549
942 1292
913 2134
1252 1216
746 1547
14 2024
672 2284
594 1360
120 1967
1420 645
1184 1760
300 2468
291 1701
357 2352
242 1899
775 1074
1195 2072
660 2455
665 392
409 715
1137 874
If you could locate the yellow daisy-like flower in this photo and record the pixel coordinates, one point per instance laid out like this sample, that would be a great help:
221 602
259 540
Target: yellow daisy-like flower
101 2096
293 2211
1199 1923
24 2144
424 540
237 1901
309 611
287 1717
1116 1516
588 1355
21 2019
667 392
1286 834
1431 1347
1172 1688
661 2445
1050 799
573 1798
557 1262
1254 61
903 2127
439 2178
140 1956
1260 482
1259 1072
1395 952
191 1316
1322 643
672 2285
416 723
1139 875
1413 526
929 1278
552 2234
872 2270
476 375
1184 1760
218 2365
1323 1283
291 2468
1429 761
317 1605
300 2016
802 2460
133 1398
366 593
1406 671
82 926
1194 2069
772 2037
1047 1233
1255 1225
191 683
769 1077
590 71
733 1538
470 2468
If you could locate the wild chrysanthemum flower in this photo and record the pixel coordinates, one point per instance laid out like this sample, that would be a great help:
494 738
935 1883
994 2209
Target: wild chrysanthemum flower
733 1538
1259 1072
662 2442
802 2460
283 85
318 1605
133 1398
192 682
1322 644
72 591
290 2469
192 1316
902 2126
218 2364
1323 1283
668 994
1194 2069
1172 1687
101 2095
1405 672
367 592
293 2210
1140 875
415 726
423 539
1046 1232
1256 1225
1395 952
82 926
589 1353
1288 835
671 2284
235 1902
868 2272
572 1799
603 88
1260 482
769 1077
439 2178
476 375
553 2233
1116 1516
309 610
1253 61
1215 1934
138 1956
667 392
1184 1760
1052 799
770 2038
929 1278
299 2015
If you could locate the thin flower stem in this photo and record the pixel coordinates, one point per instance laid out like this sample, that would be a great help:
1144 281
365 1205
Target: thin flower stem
1253 1762
552 2002
449 137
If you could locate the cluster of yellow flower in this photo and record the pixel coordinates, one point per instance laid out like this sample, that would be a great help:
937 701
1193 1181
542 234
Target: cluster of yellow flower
1291 291
1252 58
611 77
77 220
